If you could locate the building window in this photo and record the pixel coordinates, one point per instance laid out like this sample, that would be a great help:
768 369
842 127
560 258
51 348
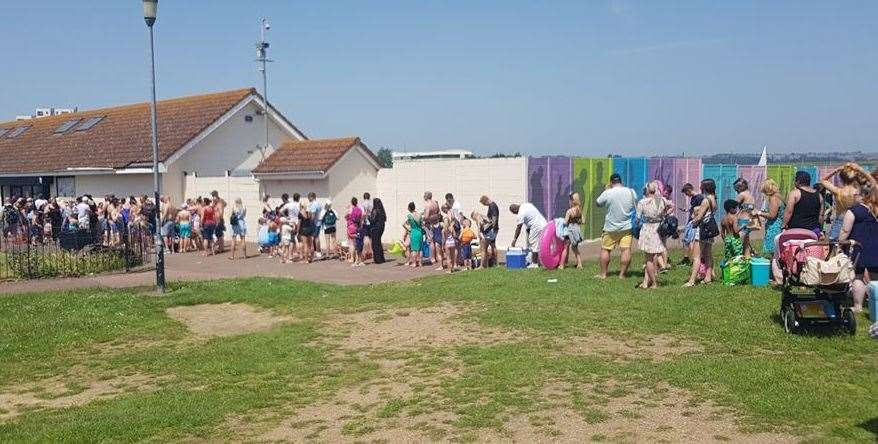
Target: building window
65 186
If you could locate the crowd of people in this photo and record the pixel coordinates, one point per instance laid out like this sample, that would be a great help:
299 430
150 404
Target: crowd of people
841 206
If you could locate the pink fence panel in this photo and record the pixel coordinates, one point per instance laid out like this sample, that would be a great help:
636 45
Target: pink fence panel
754 175
685 171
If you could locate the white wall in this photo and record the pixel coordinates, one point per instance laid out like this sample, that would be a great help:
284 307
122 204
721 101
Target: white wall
230 188
503 180
232 146
276 187
351 176
121 185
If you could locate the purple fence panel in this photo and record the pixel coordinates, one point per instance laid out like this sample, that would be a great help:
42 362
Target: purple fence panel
560 179
537 182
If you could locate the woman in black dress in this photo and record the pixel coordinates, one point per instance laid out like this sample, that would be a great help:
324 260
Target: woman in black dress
377 219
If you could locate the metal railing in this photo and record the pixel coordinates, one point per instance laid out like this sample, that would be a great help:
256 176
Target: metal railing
28 253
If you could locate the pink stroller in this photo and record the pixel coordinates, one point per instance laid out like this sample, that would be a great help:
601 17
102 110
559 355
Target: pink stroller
806 305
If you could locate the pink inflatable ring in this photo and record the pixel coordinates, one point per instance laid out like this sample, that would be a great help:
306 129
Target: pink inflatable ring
551 247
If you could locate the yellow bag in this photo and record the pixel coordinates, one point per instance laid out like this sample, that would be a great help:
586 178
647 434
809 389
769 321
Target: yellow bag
397 248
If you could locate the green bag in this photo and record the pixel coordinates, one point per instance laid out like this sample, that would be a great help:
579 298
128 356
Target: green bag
736 271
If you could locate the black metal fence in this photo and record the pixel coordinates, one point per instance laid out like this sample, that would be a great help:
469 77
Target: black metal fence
27 253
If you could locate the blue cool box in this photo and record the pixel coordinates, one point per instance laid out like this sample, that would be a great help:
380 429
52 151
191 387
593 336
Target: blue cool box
760 272
516 259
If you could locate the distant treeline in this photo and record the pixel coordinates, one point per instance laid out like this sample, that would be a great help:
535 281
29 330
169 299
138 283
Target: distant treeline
790 158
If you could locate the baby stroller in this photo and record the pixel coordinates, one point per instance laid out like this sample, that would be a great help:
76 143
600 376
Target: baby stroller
816 287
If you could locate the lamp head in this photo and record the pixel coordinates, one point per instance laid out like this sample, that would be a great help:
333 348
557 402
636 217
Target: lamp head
150 9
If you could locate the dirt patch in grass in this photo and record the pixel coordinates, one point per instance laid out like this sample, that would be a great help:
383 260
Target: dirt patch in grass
209 320
58 392
615 412
438 326
393 411
657 348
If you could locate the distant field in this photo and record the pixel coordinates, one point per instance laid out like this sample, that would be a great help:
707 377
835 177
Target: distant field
471 357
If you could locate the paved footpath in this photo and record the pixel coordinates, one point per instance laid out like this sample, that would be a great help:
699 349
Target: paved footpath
195 267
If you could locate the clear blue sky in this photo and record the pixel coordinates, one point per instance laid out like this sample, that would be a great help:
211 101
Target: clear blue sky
577 77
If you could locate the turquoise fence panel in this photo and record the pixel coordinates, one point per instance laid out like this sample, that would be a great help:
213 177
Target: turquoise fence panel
725 176
633 171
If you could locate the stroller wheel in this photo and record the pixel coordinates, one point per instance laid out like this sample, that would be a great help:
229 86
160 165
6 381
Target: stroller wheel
850 321
790 325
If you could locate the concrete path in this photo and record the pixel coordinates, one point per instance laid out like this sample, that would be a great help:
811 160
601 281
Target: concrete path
195 267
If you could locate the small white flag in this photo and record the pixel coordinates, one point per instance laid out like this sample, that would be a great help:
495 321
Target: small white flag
763 160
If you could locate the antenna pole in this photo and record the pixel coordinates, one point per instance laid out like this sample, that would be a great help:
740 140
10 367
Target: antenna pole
262 58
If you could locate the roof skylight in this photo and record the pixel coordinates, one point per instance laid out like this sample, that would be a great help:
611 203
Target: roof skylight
87 124
17 132
66 126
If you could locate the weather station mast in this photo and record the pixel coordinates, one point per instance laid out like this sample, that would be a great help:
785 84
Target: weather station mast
263 60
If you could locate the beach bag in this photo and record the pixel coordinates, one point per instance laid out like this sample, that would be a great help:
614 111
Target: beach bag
736 271
669 227
636 226
836 270
397 249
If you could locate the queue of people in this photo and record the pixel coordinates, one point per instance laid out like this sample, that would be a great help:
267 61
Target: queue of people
842 205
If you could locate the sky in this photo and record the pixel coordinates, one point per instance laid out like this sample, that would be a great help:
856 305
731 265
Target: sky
537 77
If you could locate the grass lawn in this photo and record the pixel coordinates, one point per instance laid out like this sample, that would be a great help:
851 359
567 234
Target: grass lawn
480 356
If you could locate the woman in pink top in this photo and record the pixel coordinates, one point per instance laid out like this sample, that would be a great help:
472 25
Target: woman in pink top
354 220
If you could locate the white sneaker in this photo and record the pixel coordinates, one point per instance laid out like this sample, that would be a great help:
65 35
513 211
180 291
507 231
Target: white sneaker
533 266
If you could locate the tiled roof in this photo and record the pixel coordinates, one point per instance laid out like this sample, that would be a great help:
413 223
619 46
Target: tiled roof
309 155
122 138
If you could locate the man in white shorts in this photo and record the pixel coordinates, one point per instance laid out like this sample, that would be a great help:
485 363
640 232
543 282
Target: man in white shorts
528 216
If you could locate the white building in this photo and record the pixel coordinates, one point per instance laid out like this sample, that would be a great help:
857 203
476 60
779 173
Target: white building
207 142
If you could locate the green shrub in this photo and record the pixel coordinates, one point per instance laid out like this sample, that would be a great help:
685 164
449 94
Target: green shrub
39 263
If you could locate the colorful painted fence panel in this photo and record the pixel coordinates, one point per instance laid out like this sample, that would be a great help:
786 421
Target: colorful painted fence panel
783 175
560 184
685 171
754 175
725 176
812 170
661 169
633 171
549 184
537 182
590 177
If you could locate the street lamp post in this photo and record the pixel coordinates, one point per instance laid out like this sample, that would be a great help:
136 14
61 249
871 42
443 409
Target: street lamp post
150 8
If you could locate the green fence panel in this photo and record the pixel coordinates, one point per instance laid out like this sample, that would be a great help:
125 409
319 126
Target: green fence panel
590 178
783 175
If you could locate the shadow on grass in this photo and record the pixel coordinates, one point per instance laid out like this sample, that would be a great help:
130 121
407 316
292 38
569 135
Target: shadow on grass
870 426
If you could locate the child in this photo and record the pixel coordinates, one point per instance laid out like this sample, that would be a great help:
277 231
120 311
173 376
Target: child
466 249
746 208
450 230
273 237
262 236
329 220
286 240
731 230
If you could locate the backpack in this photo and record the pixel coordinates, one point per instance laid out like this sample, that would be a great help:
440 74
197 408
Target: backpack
329 219
669 227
